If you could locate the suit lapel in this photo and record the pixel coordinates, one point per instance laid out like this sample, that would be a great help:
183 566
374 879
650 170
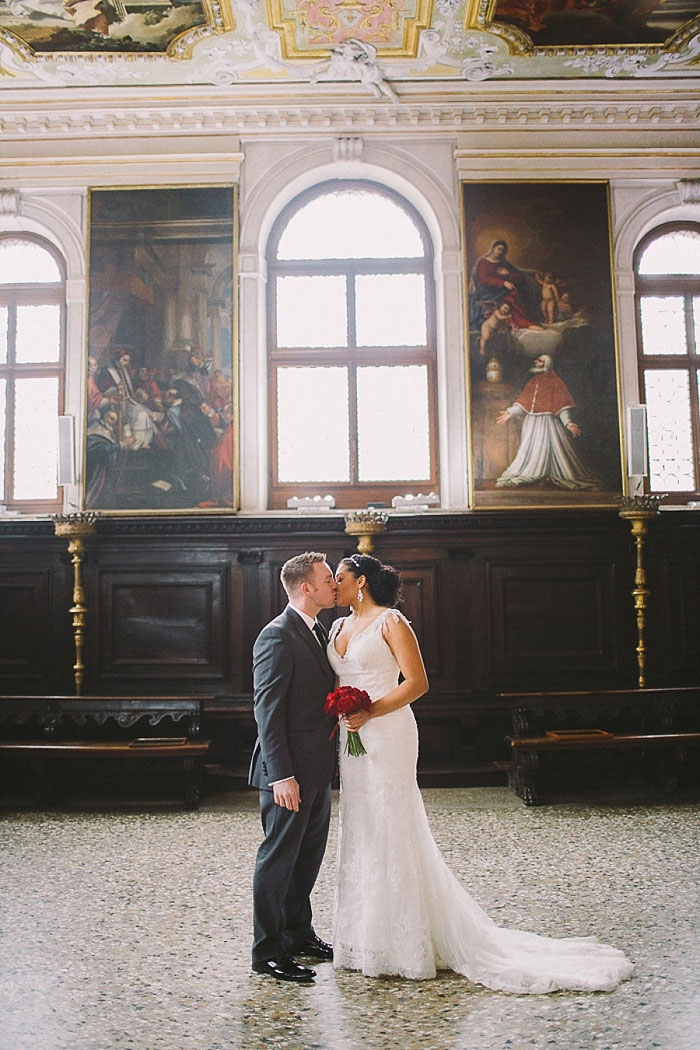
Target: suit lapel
307 638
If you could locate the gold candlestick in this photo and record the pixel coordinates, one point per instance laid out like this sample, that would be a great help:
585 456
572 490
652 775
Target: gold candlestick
639 511
77 528
365 524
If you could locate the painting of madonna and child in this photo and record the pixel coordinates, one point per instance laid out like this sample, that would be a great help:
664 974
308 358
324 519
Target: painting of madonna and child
160 397
543 364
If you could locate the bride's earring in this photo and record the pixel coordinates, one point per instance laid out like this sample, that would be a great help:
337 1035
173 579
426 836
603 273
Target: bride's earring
360 595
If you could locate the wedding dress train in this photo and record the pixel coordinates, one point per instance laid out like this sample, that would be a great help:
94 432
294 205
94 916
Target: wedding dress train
399 910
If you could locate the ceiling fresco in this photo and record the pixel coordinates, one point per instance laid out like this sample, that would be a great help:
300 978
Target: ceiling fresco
376 43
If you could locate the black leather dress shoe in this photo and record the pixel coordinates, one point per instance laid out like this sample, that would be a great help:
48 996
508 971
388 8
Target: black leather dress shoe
285 969
314 948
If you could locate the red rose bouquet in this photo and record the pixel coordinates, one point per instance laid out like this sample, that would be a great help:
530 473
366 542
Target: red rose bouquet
344 701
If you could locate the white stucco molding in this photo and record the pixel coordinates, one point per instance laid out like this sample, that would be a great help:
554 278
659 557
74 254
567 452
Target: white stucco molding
638 208
423 173
60 218
597 107
646 209
311 163
53 218
689 191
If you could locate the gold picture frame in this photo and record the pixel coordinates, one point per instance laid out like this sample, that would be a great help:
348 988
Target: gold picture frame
543 375
161 386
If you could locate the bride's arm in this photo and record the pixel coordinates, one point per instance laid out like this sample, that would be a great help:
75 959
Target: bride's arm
404 645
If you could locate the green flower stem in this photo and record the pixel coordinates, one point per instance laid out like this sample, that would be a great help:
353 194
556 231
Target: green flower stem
353 745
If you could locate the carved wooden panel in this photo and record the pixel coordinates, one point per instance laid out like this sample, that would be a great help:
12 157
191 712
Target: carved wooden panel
551 618
24 627
164 622
421 606
679 602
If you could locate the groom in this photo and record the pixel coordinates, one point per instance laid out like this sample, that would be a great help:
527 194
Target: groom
293 765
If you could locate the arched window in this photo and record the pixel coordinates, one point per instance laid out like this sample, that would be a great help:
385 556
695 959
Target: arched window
32 305
668 311
351 336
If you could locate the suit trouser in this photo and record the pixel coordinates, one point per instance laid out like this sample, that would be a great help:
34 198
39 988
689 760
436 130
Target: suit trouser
288 862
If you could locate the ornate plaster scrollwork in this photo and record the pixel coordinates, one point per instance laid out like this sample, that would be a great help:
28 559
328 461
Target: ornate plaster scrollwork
473 58
640 63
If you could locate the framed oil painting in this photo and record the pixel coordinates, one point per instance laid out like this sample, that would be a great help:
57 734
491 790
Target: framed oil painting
161 376
91 27
543 370
580 23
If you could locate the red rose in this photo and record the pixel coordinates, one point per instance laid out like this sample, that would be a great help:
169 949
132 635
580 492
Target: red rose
343 701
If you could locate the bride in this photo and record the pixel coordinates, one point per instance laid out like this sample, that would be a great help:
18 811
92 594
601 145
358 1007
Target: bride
399 909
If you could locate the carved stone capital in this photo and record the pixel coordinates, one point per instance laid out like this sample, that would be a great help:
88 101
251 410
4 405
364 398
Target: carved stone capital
689 191
9 202
348 148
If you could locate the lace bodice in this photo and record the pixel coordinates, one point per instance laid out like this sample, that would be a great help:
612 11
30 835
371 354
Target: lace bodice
368 662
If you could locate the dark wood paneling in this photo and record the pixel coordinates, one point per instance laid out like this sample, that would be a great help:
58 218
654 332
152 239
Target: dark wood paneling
24 618
680 599
512 601
161 620
551 618
421 604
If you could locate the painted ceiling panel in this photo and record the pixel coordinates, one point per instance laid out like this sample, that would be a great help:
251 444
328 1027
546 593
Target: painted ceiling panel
375 43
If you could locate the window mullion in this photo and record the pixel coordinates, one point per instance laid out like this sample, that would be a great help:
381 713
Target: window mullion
695 421
690 326
8 494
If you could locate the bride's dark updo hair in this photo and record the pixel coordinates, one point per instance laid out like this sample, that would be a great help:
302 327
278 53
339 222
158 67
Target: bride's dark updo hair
383 581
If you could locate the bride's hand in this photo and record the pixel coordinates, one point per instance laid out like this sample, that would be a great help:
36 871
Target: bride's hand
356 720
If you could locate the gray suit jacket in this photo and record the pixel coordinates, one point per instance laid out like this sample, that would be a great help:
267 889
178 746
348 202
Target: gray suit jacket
291 679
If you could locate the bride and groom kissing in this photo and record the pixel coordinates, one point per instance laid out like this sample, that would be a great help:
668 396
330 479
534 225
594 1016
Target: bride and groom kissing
399 910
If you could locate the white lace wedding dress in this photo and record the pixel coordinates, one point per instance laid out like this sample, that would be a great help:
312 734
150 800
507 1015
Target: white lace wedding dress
399 909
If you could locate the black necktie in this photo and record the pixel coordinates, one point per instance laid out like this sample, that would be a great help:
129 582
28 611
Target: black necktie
320 634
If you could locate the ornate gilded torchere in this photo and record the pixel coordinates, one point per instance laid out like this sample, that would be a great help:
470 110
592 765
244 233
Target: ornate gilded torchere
639 511
77 528
365 524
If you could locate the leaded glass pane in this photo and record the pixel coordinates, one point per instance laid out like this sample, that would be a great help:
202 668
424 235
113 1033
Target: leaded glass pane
676 252
38 334
696 323
36 439
390 309
311 312
24 262
350 224
663 324
670 430
393 424
4 321
313 425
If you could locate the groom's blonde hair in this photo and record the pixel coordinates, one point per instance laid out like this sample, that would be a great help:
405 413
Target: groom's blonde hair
298 569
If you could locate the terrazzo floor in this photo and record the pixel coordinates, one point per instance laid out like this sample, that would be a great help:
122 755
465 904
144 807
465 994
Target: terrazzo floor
130 928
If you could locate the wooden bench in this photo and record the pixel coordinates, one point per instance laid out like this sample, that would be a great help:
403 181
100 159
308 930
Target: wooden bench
60 727
599 721
526 751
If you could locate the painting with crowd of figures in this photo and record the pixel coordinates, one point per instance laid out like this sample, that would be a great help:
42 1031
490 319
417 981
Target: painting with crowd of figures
545 428
102 26
161 351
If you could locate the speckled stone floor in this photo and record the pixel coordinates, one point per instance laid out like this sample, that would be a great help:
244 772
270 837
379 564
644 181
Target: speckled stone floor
130 930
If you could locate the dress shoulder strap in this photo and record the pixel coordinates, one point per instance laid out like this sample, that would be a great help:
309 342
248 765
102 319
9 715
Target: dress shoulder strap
395 615
335 626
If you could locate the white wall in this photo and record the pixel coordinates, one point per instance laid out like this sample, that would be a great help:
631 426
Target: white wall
426 168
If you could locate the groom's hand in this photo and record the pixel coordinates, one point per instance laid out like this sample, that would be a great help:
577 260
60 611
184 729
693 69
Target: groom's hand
286 794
